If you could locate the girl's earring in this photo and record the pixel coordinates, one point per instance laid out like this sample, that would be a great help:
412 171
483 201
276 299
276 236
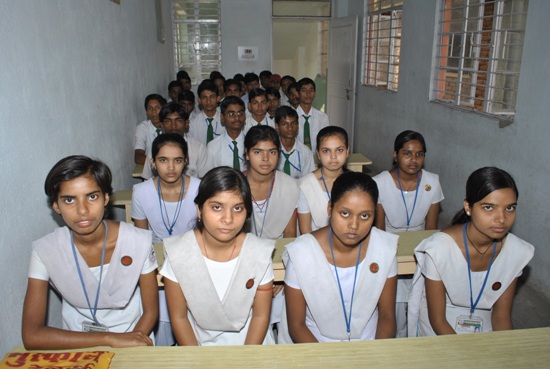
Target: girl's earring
467 213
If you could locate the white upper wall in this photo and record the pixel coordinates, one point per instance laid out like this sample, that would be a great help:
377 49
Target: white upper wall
74 77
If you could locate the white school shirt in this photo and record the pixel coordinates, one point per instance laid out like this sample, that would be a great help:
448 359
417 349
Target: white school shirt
145 132
221 151
199 127
250 122
317 121
301 160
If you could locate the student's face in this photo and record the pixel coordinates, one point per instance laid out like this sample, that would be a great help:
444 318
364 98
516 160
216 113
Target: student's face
410 158
81 204
219 84
284 85
265 82
276 84
293 97
307 94
189 106
252 85
493 216
274 103
169 163
223 216
288 127
233 90
152 111
209 101
174 123
174 92
258 106
332 152
244 89
351 217
234 117
186 84
263 157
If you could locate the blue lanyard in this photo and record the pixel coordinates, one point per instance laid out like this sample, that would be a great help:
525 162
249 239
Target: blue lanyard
214 129
472 304
299 167
348 321
325 183
266 207
241 158
94 310
403 195
170 226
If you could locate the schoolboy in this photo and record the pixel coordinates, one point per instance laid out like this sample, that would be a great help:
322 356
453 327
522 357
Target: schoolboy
265 75
174 89
219 80
296 159
207 124
258 110
228 149
275 81
286 81
240 78
311 120
184 79
150 128
187 100
273 101
232 87
251 81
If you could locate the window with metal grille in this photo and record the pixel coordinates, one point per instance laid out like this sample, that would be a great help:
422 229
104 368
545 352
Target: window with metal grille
197 37
478 54
382 43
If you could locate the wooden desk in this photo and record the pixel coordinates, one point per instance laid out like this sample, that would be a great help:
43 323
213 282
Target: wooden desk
527 348
123 198
406 261
138 171
356 161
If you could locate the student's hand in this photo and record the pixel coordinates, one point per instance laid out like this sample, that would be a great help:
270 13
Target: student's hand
277 288
129 339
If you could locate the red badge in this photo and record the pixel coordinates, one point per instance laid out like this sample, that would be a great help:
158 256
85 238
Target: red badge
249 283
374 268
427 187
496 286
126 260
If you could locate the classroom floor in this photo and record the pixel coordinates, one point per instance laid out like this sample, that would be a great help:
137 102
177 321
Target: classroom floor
530 309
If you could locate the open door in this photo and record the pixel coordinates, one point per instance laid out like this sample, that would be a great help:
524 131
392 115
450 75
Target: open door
342 59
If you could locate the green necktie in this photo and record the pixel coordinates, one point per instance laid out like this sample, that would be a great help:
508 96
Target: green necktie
307 138
159 131
236 161
286 167
210 131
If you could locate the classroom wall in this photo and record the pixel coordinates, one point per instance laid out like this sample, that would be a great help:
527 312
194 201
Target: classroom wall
458 142
74 77
245 23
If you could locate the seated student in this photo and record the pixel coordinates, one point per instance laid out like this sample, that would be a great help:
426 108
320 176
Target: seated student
218 80
228 149
174 89
164 204
286 81
232 87
150 128
410 199
340 280
174 120
274 194
184 79
315 187
257 105
240 78
293 96
105 271
296 159
265 77
187 100
466 274
251 81
207 269
273 101
207 125
275 81
311 119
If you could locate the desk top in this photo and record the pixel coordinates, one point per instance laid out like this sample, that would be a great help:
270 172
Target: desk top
359 159
523 348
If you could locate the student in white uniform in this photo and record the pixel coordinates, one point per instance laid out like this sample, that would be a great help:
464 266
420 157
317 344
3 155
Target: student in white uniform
218 278
257 105
315 187
207 124
340 280
228 149
410 199
466 275
311 119
187 100
286 81
296 159
150 128
105 271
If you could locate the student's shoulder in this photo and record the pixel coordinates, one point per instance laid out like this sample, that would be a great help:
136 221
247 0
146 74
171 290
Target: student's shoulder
52 239
143 186
382 176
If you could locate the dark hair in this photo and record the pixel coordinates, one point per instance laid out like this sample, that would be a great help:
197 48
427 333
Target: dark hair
293 85
238 77
73 167
231 100
292 79
173 107
169 138
284 112
305 81
229 82
175 84
273 91
349 181
255 92
187 95
265 73
182 75
480 184
261 133
251 77
215 75
207 85
405 137
332 131
222 179
156 97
